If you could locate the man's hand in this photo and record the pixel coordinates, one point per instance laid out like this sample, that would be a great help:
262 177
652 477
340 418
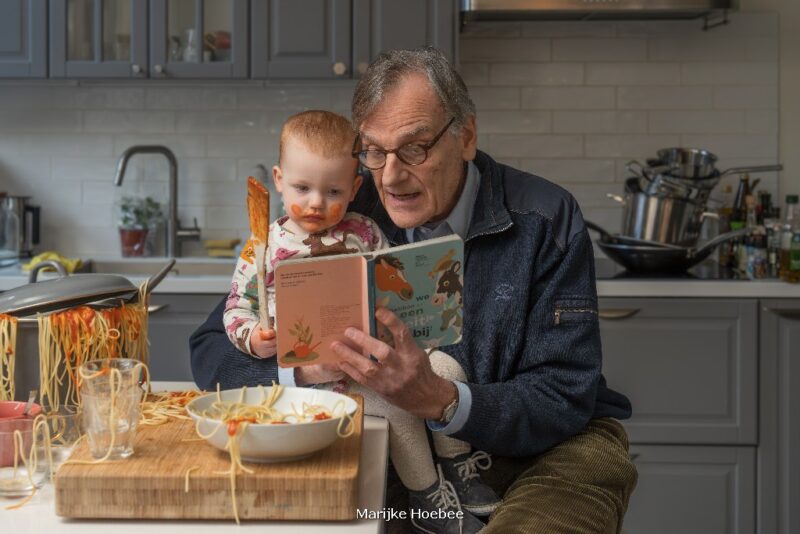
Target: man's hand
403 373
317 374
263 343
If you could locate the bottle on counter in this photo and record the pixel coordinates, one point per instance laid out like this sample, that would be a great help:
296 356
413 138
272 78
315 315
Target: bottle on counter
772 227
794 256
788 230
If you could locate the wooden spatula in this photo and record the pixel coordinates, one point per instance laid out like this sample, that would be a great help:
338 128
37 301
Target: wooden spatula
258 213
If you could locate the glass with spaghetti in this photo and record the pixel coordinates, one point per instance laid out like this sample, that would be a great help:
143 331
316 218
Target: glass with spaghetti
111 404
65 431
23 464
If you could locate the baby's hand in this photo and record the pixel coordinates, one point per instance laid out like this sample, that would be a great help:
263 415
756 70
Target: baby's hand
263 343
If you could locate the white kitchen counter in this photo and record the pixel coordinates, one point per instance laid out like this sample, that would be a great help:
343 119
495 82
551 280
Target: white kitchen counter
11 277
38 516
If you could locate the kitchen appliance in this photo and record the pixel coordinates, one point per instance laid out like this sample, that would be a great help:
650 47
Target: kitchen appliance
592 9
19 229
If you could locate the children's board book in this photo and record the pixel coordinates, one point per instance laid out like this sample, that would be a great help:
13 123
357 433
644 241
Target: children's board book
316 299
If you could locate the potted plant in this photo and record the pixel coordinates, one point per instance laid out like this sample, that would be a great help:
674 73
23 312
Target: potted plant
137 217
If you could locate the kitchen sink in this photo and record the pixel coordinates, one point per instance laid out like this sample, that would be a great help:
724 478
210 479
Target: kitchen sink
149 266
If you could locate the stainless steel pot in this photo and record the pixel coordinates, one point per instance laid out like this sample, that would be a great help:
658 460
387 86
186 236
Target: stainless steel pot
57 297
661 218
688 162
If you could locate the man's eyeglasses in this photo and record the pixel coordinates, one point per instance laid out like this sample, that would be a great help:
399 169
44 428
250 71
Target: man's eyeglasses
411 154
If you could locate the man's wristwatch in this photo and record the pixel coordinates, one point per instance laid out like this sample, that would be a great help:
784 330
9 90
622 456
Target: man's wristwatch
449 410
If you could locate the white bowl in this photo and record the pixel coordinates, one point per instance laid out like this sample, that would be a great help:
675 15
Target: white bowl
275 443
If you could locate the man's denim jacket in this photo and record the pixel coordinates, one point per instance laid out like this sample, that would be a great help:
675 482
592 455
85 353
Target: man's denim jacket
531 338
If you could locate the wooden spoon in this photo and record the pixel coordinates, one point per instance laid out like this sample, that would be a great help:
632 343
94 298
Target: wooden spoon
258 214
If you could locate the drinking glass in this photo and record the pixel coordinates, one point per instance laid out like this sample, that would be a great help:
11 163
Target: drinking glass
23 466
111 405
64 425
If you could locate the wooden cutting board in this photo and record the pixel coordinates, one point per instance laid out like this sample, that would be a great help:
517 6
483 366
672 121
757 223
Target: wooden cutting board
150 483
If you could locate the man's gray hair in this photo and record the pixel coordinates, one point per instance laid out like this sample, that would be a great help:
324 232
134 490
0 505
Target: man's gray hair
389 68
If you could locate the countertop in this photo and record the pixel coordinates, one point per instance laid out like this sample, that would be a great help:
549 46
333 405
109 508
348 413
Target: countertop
613 283
38 516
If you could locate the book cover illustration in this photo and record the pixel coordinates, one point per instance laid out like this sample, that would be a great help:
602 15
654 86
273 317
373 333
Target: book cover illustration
318 298
423 285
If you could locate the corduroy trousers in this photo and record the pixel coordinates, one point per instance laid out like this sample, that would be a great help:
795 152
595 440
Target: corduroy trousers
580 486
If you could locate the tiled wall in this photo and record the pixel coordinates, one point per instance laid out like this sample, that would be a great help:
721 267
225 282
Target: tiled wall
571 101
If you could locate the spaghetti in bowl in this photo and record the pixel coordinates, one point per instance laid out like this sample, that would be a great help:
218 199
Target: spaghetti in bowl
273 423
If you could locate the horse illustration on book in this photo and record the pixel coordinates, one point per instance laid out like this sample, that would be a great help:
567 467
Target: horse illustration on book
389 276
303 350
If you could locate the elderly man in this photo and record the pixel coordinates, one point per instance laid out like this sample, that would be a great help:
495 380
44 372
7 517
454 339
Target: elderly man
535 397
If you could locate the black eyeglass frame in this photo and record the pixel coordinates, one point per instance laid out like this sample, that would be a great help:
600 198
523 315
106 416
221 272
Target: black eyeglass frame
396 151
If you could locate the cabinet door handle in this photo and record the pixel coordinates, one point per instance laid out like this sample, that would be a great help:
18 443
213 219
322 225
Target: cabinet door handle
633 456
159 69
136 69
617 314
789 313
155 308
339 68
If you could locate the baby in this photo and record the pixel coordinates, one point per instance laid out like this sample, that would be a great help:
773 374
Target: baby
317 178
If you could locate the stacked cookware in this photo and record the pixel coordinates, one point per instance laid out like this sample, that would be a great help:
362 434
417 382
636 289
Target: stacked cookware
664 207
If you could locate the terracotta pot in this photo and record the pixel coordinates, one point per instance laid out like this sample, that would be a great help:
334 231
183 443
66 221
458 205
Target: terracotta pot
132 241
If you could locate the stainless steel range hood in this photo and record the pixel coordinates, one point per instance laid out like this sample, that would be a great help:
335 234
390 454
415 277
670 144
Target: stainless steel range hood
591 9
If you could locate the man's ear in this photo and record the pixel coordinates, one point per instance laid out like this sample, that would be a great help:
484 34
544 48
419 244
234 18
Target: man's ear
277 178
356 185
468 139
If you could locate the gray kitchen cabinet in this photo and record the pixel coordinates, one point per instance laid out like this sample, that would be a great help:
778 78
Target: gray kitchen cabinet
692 490
380 25
198 39
23 39
301 39
169 330
689 367
98 39
779 417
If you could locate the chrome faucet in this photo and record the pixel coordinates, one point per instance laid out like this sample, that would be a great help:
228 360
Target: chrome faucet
175 234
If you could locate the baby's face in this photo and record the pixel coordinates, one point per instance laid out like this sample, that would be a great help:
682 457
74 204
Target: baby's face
315 189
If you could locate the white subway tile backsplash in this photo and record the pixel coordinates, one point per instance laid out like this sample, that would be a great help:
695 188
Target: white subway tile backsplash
535 146
242 146
46 121
627 146
535 74
558 28
568 98
764 121
504 49
664 97
217 122
697 47
177 98
723 122
514 122
599 49
633 73
746 97
738 73
571 171
599 122
495 98
570 101
129 121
